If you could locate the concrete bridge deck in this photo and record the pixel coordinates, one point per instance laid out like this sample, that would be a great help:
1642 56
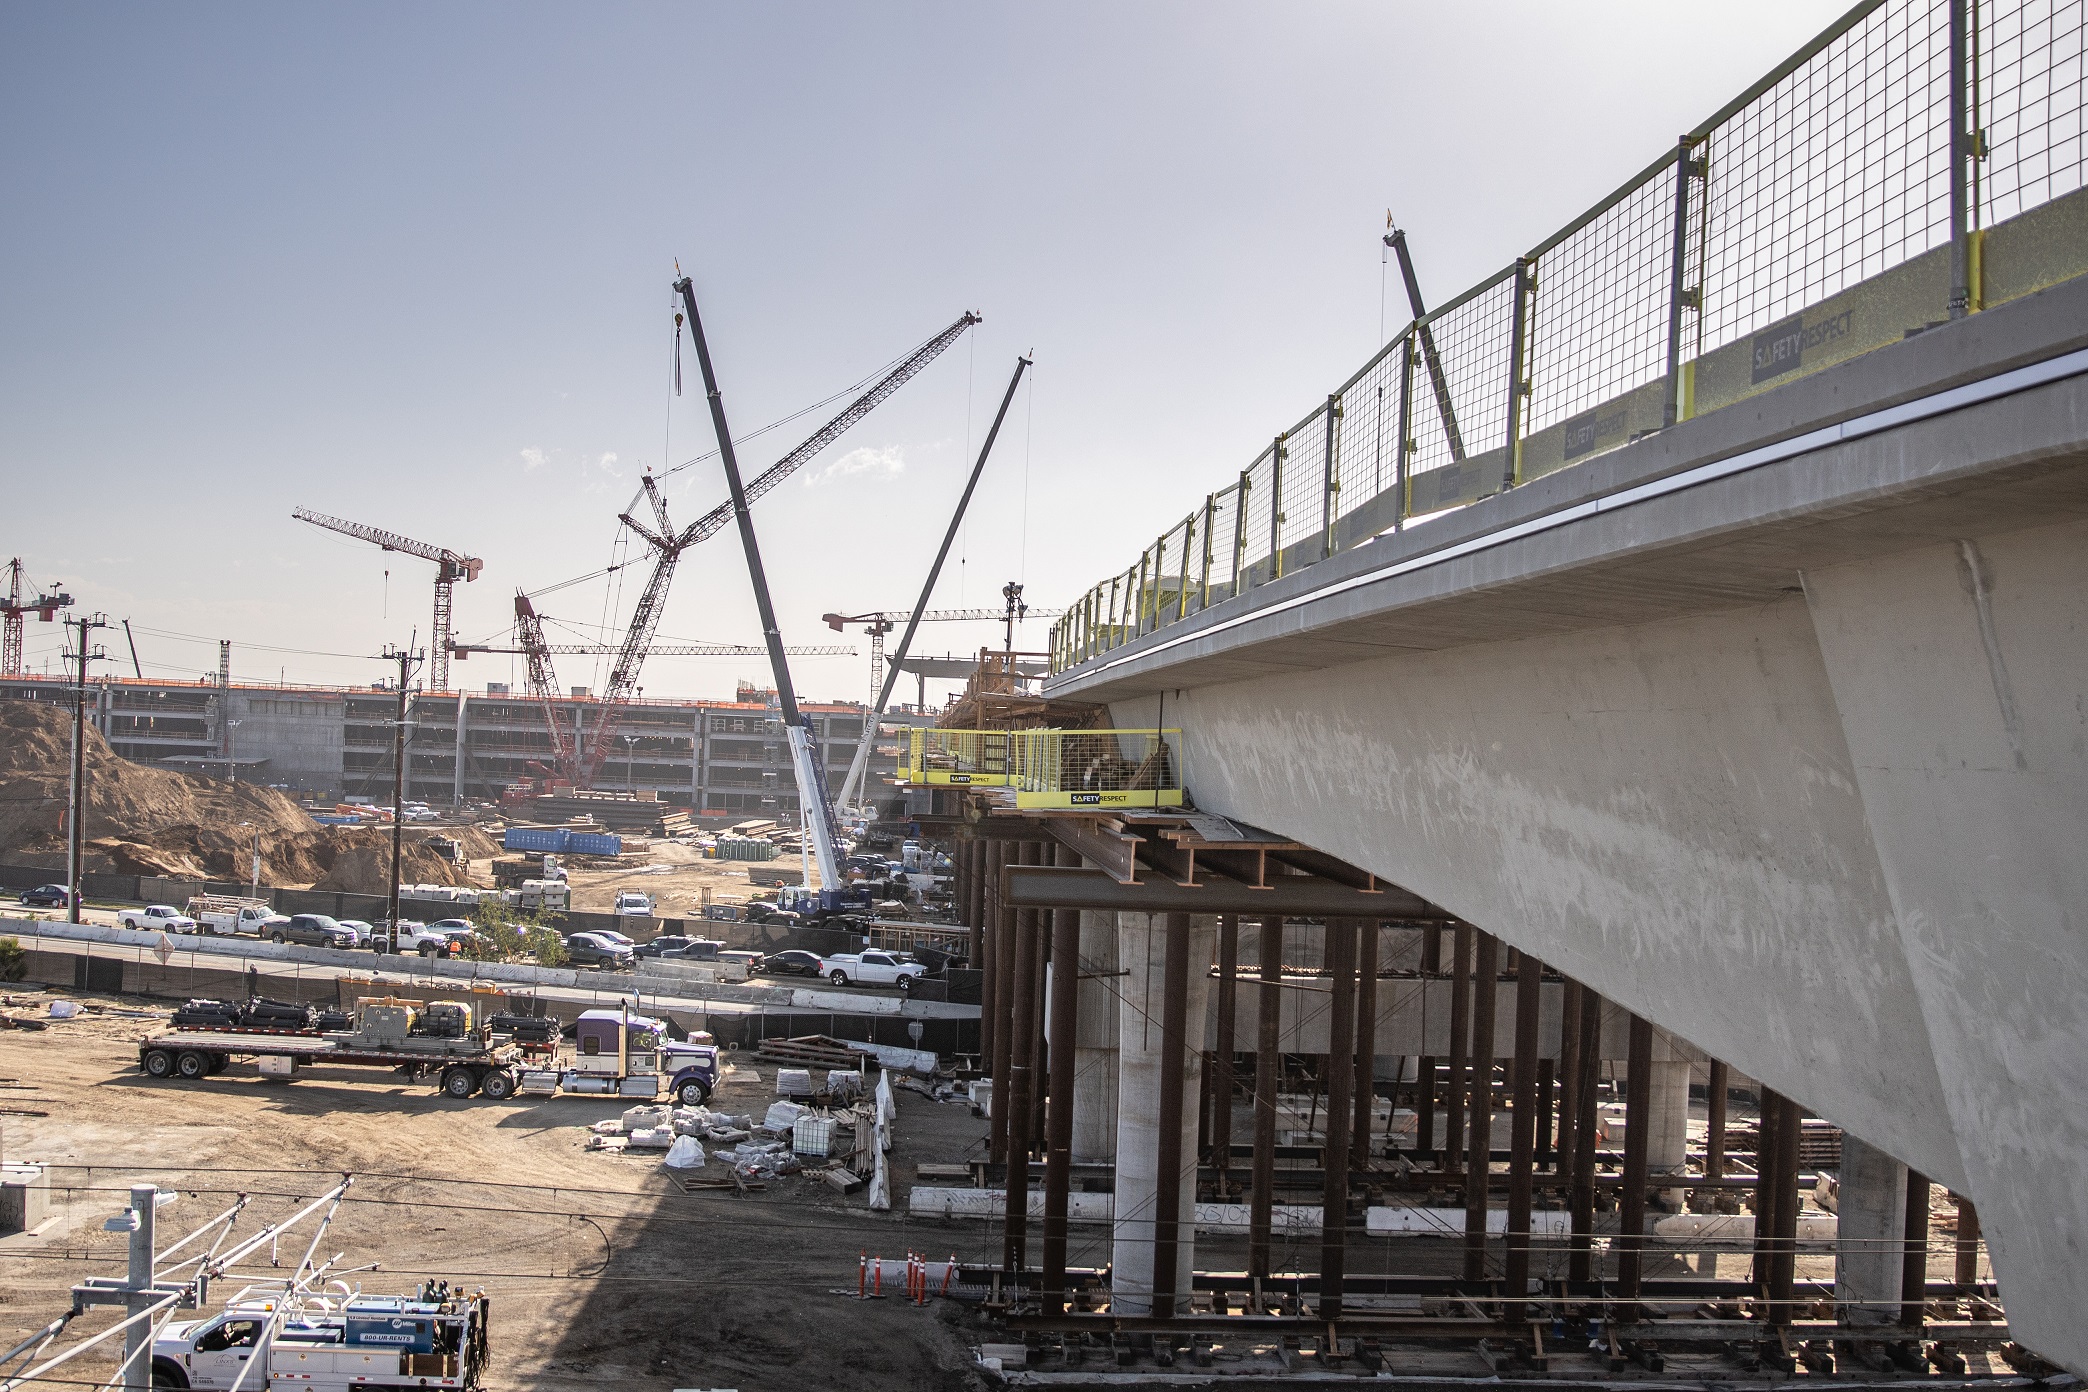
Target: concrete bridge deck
1771 726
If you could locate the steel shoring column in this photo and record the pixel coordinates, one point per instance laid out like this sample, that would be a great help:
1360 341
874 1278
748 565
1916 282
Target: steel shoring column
1765 1193
1460 1044
1040 1047
1631 1198
1569 1078
1966 1270
1361 1141
1424 1068
1522 1153
1167 1192
1715 1127
975 900
1222 1069
1021 1027
1583 1194
1341 1051
1001 937
1914 1261
1783 1281
1486 982
1267 1067
1547 1090
1058 1145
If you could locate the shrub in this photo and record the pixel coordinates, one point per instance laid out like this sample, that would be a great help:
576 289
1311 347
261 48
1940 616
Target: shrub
14 963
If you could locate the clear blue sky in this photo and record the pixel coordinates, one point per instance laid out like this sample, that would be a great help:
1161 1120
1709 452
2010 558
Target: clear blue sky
410 265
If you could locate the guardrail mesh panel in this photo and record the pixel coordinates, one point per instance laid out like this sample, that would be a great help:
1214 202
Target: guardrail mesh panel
1471 349
2031 84
1599 318
1836 173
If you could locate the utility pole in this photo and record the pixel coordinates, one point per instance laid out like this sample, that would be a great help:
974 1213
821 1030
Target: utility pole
405 657
74 842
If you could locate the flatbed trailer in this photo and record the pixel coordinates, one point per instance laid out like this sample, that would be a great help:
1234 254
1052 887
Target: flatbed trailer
195 1054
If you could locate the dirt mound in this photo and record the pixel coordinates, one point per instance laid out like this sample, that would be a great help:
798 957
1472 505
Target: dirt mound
135 818
360 863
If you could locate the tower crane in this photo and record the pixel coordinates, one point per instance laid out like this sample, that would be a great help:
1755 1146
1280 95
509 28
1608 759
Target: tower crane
883 621
45 604
668 544
450 567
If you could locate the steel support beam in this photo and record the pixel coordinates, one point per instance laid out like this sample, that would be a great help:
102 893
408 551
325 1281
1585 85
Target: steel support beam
1022 1051
1522 1151
1460 1045
1362 1145
1715 1128
1425 1067
1167 1191
1486 982
1914 1259
1050 887
1002 950
1058 1147
1340 1073
1222 1059
1268 1068
1631 1199
1583 1189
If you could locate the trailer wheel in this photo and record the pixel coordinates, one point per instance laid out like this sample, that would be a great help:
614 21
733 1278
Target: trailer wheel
192 1065
159 1064
498 1087
458 1082
219 1062
693 1093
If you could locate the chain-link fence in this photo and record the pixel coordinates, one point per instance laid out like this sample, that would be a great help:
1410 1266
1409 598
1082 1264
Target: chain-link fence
1919 160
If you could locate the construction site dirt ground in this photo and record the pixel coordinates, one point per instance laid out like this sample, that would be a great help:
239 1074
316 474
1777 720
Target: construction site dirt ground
603 1272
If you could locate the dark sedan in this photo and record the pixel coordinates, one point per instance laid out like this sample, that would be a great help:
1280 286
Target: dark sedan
791 962
45 896
676 945
313 930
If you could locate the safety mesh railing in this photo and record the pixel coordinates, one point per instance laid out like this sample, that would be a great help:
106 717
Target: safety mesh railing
1735 259
960 758
1097 768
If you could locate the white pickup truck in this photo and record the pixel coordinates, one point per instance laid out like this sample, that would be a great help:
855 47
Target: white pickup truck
163 918
230 914
872 969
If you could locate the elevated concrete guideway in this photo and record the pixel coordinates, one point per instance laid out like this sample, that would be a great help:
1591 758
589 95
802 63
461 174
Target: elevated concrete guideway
1771 726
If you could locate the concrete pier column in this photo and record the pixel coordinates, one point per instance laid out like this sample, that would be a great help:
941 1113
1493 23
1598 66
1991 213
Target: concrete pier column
1095 1041
1667 1120
1142 957
1873 1206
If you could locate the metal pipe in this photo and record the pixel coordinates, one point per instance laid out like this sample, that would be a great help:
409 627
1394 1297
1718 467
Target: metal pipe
1022 1044
1518 328
1522 1149
1058 1146
1267 1065
1486 982
1341 1051
1960 159
1914 1259
1222 1055
1040 1047
1580 1257
1678 272
1631 1199
1361 1141
1460 1044
1406 430
1715 1127
1167 1188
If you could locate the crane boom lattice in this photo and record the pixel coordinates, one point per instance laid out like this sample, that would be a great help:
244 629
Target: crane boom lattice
450 567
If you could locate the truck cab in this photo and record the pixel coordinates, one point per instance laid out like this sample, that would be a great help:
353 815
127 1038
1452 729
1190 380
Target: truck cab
627 1055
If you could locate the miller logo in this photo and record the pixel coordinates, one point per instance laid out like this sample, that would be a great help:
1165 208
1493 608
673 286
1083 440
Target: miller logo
1087 799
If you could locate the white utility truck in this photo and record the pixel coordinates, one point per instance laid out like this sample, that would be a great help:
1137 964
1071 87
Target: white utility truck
229 913
336 1341
872 969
